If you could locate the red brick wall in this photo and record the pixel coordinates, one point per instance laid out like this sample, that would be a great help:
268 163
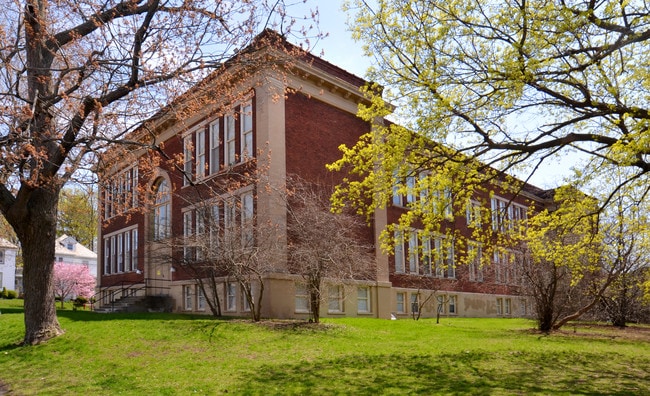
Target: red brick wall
314 131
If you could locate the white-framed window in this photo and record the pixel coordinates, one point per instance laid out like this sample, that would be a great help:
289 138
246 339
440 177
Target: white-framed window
473 214
201 217
246 306
411 194
397 197
442 300
120 192
443 203
120 250
302 298
188 298
400 299
162 210
413 252
107 256
516 268
453 305
444 258
335 301
113 256
214 147
507 306
425 260
502 266
200 299
363 299
451 264
507 215
229 215
120 253
187 160
134 249
399 252
231 297
523 308
214 226
247 212
127 252
134 181
188 252
230 152
475 257
246 117
499 306
200 153
415 303
519 217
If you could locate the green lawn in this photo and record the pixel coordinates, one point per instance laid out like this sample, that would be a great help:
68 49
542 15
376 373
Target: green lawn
166 354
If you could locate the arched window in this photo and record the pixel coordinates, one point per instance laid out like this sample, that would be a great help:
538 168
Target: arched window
161 210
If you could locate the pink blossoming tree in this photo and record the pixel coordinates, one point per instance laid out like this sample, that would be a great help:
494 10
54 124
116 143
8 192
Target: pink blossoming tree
72 280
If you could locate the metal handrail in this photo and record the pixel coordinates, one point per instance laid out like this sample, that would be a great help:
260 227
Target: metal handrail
122 289
112 293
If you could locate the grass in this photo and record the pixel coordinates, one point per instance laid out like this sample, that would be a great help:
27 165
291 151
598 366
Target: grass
167 354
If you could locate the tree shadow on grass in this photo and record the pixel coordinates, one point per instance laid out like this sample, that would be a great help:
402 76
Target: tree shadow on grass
475 373
12 310
90 316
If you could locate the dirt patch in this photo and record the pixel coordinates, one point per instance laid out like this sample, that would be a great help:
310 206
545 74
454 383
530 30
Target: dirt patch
294 325
4 389
604 331
632 333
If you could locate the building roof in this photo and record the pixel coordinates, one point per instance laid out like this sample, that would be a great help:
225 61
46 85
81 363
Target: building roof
68 246
5 244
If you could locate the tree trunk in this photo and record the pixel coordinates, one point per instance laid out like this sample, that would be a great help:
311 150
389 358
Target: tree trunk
314 304
37 235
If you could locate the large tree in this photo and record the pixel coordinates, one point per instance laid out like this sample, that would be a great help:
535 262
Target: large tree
77 75
517 82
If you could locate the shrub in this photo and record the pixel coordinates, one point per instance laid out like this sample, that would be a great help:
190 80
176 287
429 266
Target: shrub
79 301
4 292
11 294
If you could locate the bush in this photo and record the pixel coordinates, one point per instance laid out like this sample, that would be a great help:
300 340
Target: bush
79 302
4 293
11 294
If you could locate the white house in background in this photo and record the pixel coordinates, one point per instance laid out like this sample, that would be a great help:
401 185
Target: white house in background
7 264
69 251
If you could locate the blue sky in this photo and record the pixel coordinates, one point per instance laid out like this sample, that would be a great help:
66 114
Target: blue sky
338 48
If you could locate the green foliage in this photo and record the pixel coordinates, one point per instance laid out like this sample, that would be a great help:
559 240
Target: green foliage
193 354
515 84
567 237
80 301
439 182
78 215
11 294
4 293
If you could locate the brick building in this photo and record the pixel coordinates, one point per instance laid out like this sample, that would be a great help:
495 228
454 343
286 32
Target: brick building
282 122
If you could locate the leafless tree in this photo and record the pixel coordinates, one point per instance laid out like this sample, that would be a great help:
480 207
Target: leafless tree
224 239
324 247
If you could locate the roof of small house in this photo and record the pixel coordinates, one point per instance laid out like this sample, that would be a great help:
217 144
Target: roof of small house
78 250
5 244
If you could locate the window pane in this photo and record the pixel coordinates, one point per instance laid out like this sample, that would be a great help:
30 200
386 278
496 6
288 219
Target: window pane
214 147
